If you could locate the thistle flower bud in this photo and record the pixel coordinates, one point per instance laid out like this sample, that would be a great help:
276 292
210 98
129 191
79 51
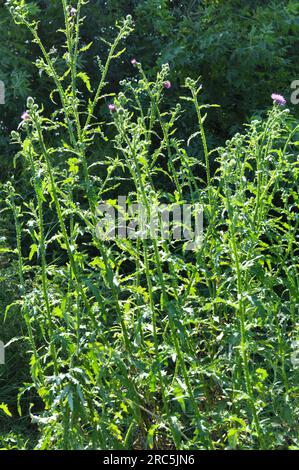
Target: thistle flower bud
112 107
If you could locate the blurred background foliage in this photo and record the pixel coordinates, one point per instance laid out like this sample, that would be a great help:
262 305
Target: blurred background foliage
243 49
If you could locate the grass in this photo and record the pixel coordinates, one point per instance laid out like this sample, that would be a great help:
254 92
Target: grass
139 342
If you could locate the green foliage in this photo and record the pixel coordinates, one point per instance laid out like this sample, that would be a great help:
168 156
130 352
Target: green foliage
243 51
141 343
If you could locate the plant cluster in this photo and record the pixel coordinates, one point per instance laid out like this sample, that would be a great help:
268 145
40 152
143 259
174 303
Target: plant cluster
141 343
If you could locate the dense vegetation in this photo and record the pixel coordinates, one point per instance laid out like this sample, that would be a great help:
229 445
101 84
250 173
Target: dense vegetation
243 50
140 342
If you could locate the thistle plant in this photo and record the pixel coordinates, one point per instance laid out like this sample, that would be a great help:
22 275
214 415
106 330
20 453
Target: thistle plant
139 342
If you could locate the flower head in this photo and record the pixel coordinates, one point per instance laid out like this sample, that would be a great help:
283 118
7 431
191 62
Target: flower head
278 99
112 108
133 61
73 11
167 84
25 117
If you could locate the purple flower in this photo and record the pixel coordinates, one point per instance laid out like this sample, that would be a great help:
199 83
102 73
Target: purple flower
112 108
278 99
73 11
167 84
133 61
25 117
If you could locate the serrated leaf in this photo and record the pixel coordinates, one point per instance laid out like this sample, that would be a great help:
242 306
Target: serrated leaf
85 78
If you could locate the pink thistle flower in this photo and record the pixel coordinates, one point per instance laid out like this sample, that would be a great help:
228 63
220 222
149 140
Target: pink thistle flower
278 99
73 11
133 61
25 117
112 108
167 84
